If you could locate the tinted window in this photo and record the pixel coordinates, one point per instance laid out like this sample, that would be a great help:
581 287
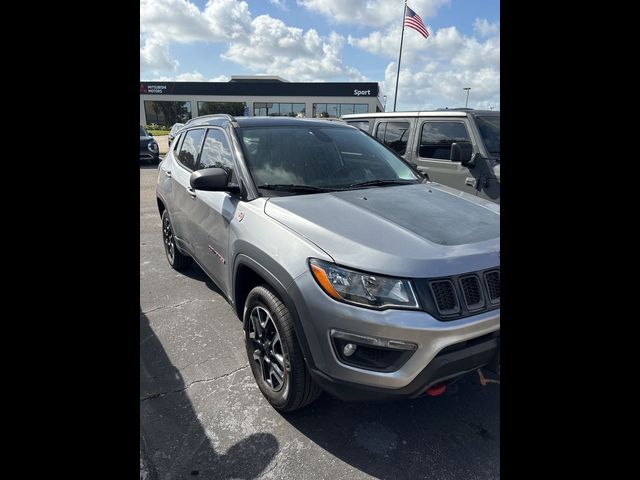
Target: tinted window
394 135
216 153
490 130
361 124
436 138
190 148
318 156
143 132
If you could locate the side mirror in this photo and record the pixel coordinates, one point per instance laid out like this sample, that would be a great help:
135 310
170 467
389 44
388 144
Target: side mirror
462 152
150 134
212 180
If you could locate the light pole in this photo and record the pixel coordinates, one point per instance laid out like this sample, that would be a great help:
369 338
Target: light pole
467 100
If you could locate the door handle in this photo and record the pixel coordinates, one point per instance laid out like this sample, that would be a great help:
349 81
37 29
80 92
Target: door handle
167 173
191 191
470 182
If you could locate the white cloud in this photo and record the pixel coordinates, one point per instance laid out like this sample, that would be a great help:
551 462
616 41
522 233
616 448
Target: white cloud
181 21
484 28
282 4
154 55
194 76
435 87
220 78
435 70
277 49
263 44
370 12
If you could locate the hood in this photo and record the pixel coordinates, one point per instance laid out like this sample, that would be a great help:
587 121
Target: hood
411 230
145 140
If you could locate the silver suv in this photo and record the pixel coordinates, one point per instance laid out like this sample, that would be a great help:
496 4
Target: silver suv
351 272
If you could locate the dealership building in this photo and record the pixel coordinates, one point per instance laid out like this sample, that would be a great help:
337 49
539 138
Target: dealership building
165 103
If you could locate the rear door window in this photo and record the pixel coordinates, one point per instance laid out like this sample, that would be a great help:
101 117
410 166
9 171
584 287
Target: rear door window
436 138
190 148
394 135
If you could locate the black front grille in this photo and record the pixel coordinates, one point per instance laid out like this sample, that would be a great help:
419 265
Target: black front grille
471 292
492 281
445 297
459 296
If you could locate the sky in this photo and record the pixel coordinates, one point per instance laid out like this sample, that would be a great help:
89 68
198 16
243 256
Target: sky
330 41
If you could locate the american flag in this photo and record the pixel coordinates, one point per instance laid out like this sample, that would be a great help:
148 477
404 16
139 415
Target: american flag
413 20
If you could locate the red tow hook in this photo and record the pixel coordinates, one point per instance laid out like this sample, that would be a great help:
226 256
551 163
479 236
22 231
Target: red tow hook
437 389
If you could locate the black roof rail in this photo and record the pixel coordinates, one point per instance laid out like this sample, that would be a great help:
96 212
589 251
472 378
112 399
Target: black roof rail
231 118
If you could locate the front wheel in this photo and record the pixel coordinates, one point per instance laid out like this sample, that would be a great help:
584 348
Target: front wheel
176 259
274 354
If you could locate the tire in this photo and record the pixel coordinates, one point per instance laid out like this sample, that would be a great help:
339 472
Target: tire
277 337
176 259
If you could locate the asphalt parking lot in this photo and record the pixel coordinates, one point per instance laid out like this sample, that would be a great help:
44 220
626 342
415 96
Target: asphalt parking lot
202 416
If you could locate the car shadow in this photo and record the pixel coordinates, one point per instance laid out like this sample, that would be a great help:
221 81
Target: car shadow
196 273
455 435
173 442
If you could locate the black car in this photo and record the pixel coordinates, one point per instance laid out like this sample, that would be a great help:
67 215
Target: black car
149 150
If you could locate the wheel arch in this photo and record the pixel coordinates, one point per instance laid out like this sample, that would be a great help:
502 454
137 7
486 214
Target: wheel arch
247 274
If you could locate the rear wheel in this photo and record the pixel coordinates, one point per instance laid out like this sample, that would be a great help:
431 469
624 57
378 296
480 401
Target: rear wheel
274 354
176 259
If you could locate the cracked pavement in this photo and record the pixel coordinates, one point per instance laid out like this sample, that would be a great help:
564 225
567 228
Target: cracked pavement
202 415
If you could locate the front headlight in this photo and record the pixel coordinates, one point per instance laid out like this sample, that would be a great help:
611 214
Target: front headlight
153 147
361 288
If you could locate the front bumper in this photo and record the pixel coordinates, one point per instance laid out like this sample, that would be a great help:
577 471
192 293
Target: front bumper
446 365
148 155
319 314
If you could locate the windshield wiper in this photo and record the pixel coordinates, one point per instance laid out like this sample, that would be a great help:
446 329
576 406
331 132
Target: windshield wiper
295 188
372 183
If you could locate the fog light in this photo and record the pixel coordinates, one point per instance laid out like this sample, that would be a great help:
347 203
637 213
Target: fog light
349 349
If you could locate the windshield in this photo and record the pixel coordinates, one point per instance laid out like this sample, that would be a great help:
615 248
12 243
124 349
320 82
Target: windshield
143 132
490 130
321 157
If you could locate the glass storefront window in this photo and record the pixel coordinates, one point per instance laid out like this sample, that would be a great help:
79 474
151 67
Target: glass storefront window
333 109
298 109
346 108
232 108
165 113
320 110
336 110
278 109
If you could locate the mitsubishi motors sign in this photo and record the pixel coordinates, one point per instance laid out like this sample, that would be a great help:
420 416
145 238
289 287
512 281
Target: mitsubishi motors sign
153 88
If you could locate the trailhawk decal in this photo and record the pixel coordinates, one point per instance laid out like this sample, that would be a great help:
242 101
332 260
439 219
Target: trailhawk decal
220 257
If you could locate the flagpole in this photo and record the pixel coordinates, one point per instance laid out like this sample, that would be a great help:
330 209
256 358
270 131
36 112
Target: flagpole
395 97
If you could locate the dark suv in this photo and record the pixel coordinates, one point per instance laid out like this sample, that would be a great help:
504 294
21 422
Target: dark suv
149 151
351 272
